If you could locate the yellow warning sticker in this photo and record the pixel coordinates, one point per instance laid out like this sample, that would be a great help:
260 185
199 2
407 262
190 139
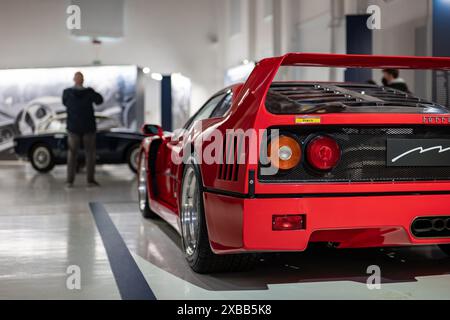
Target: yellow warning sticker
307 120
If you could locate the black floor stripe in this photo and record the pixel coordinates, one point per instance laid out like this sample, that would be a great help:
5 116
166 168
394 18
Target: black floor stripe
129 278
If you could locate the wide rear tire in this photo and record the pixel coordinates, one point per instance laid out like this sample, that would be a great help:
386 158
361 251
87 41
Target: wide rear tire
195 240
144 205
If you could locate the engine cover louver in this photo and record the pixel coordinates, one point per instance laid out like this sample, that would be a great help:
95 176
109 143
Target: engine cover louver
305 97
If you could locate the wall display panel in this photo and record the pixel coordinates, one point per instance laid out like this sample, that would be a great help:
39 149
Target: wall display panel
29 98
181 99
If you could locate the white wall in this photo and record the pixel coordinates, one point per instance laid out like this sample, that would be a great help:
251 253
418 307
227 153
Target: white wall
264 31
319 26
399 21
168 36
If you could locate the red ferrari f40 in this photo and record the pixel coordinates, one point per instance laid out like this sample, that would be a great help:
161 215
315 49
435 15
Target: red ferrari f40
273 166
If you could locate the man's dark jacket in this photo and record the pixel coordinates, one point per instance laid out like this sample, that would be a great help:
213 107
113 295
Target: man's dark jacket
399 86
80 110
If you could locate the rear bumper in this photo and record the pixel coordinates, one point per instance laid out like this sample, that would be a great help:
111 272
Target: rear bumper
239 224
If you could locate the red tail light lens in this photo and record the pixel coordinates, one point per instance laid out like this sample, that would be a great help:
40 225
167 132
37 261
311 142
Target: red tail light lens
323 153
288 222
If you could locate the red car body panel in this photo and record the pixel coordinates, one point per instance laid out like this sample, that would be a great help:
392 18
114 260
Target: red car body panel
357 214
353 222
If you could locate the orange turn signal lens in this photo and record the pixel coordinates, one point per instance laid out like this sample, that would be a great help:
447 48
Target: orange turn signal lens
284 152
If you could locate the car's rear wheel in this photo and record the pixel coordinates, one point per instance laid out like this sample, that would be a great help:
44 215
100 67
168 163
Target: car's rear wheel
144 205
445 248
41 158
194 231
133 157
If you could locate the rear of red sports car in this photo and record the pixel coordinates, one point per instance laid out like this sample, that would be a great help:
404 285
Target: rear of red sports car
354 165
358 165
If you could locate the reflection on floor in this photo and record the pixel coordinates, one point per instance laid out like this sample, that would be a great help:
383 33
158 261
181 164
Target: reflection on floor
44 228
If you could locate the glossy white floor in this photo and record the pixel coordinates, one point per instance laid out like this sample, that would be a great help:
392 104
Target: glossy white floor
45 228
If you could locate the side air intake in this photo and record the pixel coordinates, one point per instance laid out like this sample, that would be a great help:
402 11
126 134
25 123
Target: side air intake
229 167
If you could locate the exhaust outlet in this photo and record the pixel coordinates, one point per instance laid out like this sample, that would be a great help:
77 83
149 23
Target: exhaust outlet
438 224
447 224
422 225
431 227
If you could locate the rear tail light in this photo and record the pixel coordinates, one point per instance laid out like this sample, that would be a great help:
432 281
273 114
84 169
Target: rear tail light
284 152
288 222
323 153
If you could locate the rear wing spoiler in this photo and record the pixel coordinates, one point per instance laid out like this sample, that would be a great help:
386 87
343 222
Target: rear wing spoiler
258 83
364 61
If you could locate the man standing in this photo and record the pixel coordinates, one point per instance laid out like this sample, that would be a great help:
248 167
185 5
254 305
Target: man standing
391 79
81 127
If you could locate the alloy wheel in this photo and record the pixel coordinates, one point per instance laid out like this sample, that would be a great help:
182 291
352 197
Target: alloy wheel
142 184
190 211
42 157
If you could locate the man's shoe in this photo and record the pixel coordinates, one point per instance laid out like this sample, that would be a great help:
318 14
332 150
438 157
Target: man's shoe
93 184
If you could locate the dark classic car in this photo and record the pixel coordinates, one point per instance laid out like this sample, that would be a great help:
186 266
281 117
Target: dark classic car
48 147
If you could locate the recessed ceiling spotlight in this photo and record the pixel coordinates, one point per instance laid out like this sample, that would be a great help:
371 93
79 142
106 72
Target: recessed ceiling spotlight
146 70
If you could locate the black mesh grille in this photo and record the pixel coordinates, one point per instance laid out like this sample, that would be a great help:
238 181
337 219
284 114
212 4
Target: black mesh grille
363 155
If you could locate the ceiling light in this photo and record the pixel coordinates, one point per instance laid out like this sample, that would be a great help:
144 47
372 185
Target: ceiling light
156 76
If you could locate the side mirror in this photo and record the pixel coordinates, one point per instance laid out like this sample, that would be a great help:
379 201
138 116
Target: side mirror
152 130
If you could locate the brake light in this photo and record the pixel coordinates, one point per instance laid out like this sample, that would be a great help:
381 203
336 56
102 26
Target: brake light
288 222
323 153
